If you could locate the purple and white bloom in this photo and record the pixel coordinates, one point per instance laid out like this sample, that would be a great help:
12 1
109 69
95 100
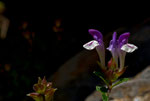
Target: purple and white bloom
123 39
98 44
119 48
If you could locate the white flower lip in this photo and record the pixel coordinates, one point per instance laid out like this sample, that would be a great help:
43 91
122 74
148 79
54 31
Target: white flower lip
91 45
129 48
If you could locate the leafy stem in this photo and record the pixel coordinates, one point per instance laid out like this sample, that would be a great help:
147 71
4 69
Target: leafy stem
106 90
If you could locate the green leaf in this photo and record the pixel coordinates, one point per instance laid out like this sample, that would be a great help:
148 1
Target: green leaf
103 91
120 81
101 76
105 97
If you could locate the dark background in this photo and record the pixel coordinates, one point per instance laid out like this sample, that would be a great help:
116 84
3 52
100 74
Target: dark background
47 52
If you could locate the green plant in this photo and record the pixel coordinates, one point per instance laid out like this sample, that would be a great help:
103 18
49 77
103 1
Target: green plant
114 68
43 91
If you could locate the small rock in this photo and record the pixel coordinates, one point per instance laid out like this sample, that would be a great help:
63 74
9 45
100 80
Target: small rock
145 74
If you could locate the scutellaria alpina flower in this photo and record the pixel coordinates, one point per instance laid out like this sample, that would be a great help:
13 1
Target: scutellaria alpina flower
98 44
121 46
118 49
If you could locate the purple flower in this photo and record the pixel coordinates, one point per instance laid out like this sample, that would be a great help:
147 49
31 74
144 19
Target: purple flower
98 44
123 39
113 48
119 48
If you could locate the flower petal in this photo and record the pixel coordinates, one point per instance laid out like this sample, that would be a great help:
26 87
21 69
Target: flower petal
114 36
129 48
96 34
123 39
91 45
113 42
